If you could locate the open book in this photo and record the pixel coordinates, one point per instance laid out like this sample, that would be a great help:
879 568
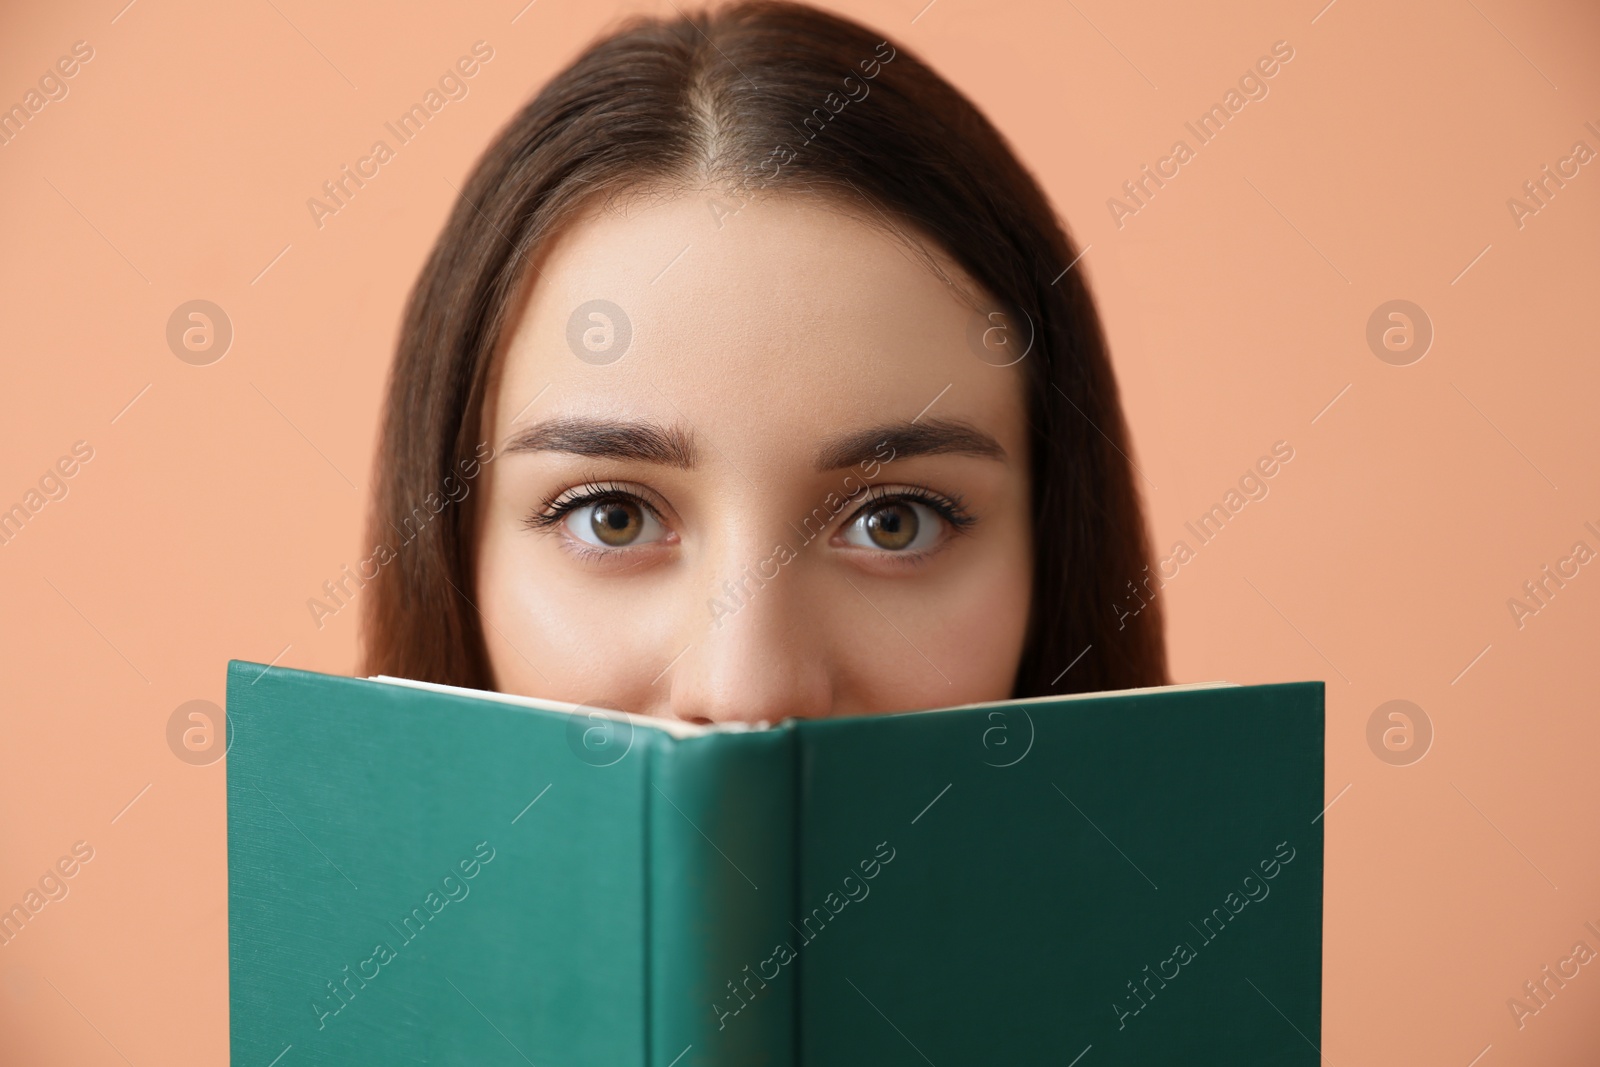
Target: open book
420 874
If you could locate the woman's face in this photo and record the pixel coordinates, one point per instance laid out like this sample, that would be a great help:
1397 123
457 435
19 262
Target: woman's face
750 465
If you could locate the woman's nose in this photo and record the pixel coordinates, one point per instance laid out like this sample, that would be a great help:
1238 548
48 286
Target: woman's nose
758 651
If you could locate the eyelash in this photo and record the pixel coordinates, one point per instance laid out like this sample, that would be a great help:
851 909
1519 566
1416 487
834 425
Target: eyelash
558 507
554 510
949 507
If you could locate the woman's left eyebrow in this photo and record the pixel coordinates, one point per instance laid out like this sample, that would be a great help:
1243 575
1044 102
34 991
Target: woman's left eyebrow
609 439
906 439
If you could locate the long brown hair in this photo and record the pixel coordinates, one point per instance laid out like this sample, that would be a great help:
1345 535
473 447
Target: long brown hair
760 95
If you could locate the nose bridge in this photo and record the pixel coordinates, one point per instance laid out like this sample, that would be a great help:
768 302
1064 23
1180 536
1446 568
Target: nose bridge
758 651
744 571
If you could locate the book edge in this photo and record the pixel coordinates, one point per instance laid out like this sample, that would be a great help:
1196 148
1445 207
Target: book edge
680 730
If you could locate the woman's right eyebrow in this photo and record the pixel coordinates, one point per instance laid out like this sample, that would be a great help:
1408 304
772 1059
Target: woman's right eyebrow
608 439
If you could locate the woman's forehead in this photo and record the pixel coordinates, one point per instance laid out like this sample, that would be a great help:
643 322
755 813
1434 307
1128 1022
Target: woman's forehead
775 314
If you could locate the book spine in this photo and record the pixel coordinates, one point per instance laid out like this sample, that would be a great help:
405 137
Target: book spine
721 860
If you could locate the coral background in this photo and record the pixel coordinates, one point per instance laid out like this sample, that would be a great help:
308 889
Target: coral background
1419 500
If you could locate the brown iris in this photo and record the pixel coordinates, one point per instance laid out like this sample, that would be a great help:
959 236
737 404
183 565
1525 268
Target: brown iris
893 526
617 522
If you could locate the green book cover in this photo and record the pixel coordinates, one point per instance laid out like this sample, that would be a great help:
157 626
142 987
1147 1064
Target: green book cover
426 875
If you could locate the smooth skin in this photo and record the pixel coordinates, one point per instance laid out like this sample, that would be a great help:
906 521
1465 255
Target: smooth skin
799 492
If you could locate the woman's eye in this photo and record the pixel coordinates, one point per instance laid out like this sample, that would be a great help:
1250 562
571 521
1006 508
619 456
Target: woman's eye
895 526
614 523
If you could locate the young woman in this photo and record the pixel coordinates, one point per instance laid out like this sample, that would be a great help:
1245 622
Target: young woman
754 378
